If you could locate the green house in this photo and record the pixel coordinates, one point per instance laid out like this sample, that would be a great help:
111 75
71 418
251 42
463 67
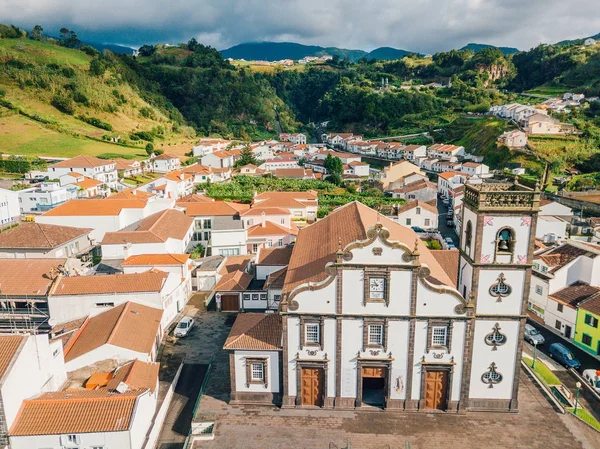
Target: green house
587 327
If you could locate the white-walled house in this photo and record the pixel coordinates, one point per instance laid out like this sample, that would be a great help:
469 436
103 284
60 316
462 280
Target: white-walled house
101 170
104 215
9 207
219 159
79 296
164 163
168 231
36 240
302 205
445 152
125 332
172 185
474 169
549 207
29 365
83 420
419 214
370 317
207 146
46 196
571 264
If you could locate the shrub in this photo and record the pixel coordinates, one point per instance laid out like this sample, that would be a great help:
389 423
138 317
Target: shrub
149 149
96 122
91 51
68 72
80 98
63 104
145 135
97 67
146 112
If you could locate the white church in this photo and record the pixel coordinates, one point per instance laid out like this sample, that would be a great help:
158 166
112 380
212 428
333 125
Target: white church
370 317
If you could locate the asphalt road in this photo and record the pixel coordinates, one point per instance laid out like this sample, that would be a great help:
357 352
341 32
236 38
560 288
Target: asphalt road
442 227
587 398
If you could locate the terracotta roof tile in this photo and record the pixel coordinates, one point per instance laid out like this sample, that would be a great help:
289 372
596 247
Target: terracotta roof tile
575 293
450 174
40 236
274 256
95 207
9 347
415 204
591 304
258 210
165 157
195 198
255 332
276 279
131 326
233 274
136 375
317 244
212 209
131 194
269 228
22 277
449 261
299 172
82 161
158 227
156 259
560 256
75 411
149 281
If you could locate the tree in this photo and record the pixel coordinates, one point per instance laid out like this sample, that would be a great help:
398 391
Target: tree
146 50
198 251
334 165
192 44
335 179
247 157
149 149
37 33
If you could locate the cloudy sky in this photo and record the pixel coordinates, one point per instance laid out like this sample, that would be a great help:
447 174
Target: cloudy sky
418 25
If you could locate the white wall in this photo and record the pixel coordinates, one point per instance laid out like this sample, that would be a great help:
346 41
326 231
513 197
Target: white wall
272 367
229 239
418 219
110 440
142 420
9 207
108 352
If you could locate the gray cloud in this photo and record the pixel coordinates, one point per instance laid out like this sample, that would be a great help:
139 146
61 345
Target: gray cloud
418 25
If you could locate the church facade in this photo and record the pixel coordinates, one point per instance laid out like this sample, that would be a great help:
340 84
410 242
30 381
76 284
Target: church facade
370 317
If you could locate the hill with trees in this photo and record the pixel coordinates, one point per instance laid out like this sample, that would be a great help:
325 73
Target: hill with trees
478 47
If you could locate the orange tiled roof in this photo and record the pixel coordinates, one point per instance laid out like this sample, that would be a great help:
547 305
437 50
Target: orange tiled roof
9 347
255 331
176 176
450 174
205 209
136 375
156 228
269 228
274 256
131 194
317 244
22 277
417 203
88 183
95 207
149 281
82 161
131 326
165 157
40 236
75 411
258 210
233 275
156 259
195 198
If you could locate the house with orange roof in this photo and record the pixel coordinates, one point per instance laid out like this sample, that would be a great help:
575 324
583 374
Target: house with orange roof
210 145
279 162
218 226
45 196
86 187
268 234
219 159
75 297
233 277
104 215
445 152
302 205
294 173
200 173
250 170
397 170
129 331
418 213
102 418
179 264
172 185
295 138
165 232
102 170
127 168
29 365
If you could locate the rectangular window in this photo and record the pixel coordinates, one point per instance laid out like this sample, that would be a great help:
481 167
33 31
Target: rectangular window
283 221
558 325
408 221
207 235
277 297
427 222
312 333
439 336
258 372
586 339
263 296
539 290
254 296
254 247
418 210
269 243
591 320
208 224
280 242
375 336
559 307
544 269
246 296
105 304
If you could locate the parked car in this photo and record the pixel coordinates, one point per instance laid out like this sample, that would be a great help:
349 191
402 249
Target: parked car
451 246
448 241
592 376
564 356
533 336
184 327
417 229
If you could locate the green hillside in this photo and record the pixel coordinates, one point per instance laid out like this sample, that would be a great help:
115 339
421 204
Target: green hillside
61 101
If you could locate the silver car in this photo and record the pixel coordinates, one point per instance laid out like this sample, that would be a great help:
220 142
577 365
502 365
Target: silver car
184 327
533 336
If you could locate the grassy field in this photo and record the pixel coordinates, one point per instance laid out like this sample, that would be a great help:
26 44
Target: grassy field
549 90
562 149
43 53
20 135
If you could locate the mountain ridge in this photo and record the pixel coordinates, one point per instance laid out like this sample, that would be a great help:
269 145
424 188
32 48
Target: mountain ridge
478 47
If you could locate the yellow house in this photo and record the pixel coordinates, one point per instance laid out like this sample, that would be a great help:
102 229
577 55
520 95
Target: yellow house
397 170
